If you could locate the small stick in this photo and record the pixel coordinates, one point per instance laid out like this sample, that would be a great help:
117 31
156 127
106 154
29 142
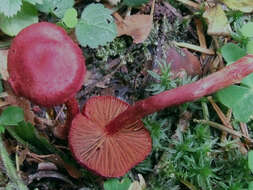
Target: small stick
195 48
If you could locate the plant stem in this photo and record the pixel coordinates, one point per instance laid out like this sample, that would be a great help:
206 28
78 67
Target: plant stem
10 169
72 110
229 75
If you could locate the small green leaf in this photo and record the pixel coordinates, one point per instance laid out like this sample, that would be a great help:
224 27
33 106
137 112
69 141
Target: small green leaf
46 6
240 99
11 115
115 184
70 18
250 185
96 26
232 52
57 7
247 29
134 3
2 129
1 85
34 2
10 8
250 160
61 6
249 47
27 16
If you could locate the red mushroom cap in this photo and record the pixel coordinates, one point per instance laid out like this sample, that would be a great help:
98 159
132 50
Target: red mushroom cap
45 65
107 155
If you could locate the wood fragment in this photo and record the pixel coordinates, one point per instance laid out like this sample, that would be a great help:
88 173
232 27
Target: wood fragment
190 4
195 48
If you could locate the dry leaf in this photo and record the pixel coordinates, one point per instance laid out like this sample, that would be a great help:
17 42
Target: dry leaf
136 26
217 21
183 60
3 64
245 6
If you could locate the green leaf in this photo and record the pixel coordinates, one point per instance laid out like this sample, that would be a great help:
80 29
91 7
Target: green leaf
96 26
247 29
250 185
249 47
134 3
70 18
2 129
250 160
61 6
115 184
1 85
28 133
34 2
10 169
10 7
46 6
57 7
11 115
232 52
240 99
27 16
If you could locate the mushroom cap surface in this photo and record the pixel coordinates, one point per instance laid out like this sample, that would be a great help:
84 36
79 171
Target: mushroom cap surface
107 155
45 65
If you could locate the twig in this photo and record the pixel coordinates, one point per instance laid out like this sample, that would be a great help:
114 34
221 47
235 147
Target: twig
219 126
152 8
195 48
225 122
223 128
189 3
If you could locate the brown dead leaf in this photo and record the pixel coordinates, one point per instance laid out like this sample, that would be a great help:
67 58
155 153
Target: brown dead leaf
136 26
3 64
183 60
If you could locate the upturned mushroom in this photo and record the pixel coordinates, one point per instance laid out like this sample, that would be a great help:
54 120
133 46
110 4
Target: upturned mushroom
109 137
46 67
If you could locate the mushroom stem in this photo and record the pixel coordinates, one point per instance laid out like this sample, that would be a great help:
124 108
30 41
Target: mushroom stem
72 110
229 75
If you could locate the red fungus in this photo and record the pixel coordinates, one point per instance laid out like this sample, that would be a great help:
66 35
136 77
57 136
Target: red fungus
107 155
109 138
46 66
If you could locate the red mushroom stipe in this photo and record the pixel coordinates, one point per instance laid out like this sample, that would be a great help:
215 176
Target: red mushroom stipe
46 66
109 137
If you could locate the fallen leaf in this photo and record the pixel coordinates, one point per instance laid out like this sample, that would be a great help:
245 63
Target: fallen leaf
183 60
136 26
217 21
245 6
3 64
